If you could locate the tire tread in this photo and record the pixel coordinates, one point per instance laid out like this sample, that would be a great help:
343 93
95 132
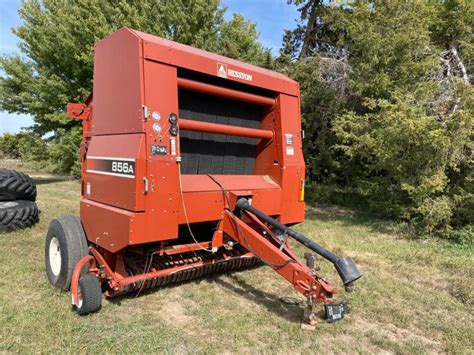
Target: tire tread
15 185
23 216
68 229
89 286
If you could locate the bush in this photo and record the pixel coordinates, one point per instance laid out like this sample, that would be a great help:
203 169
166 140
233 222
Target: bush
412 166
57 154
388 105
33 148
64 151
9 146
29 147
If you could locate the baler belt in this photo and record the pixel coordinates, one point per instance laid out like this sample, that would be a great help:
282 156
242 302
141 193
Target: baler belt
209 153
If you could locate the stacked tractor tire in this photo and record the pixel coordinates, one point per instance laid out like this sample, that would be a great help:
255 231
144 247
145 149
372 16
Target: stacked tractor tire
18 209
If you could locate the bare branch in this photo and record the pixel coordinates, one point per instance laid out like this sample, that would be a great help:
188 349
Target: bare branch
465 77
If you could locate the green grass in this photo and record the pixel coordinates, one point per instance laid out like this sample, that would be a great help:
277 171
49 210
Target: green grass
416 296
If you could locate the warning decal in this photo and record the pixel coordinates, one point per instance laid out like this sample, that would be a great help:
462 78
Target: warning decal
222 70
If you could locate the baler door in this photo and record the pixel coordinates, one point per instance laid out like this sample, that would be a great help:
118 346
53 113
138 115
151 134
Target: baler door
115 171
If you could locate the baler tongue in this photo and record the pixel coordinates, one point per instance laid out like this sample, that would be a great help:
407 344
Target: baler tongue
345 266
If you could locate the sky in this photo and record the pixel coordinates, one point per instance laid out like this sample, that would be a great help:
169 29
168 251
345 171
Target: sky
272 17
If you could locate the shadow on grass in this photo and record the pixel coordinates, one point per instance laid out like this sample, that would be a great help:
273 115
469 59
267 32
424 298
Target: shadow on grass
269 300
132 294
352 217
351 207
41 180
50 181
238 286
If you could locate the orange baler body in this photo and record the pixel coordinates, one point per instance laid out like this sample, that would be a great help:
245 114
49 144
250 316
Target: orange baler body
238 123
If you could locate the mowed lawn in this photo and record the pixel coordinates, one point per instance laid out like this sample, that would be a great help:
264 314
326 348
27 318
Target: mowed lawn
415 296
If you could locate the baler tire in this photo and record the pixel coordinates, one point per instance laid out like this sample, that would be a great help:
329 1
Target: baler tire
66 234
15 185
90 295
16 215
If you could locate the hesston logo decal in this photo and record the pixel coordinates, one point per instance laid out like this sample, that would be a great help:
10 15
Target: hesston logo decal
224 72
238 74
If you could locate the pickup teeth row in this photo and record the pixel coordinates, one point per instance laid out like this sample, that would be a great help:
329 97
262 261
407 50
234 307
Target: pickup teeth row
219 262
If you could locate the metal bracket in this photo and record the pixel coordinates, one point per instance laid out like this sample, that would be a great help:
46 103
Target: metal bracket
283 238
309 260
77 111
308 320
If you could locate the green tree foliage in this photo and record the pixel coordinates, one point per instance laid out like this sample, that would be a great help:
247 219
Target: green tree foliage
9 146
57 39
34 151
388 104
26 146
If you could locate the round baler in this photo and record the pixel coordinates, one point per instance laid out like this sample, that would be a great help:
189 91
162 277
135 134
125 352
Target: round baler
192 164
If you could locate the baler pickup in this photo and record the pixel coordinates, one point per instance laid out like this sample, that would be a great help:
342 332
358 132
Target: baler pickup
192 164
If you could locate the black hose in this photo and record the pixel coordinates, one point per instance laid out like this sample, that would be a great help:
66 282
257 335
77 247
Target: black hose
345 266
244 205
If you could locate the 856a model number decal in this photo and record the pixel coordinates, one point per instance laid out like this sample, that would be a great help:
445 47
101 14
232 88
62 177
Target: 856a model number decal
121 167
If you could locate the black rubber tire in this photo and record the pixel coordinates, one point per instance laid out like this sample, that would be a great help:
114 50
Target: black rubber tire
72 246
90 293
16 215
15 185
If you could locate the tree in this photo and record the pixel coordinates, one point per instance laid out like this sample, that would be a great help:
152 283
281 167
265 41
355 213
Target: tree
57 39
396 119
9 146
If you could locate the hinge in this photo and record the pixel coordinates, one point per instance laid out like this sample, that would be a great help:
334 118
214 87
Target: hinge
146 113
145 185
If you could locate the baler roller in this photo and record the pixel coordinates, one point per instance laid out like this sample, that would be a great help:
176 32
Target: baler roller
229 130
224 92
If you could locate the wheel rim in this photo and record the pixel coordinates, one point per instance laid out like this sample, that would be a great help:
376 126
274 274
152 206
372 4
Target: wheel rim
55 256
79 300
